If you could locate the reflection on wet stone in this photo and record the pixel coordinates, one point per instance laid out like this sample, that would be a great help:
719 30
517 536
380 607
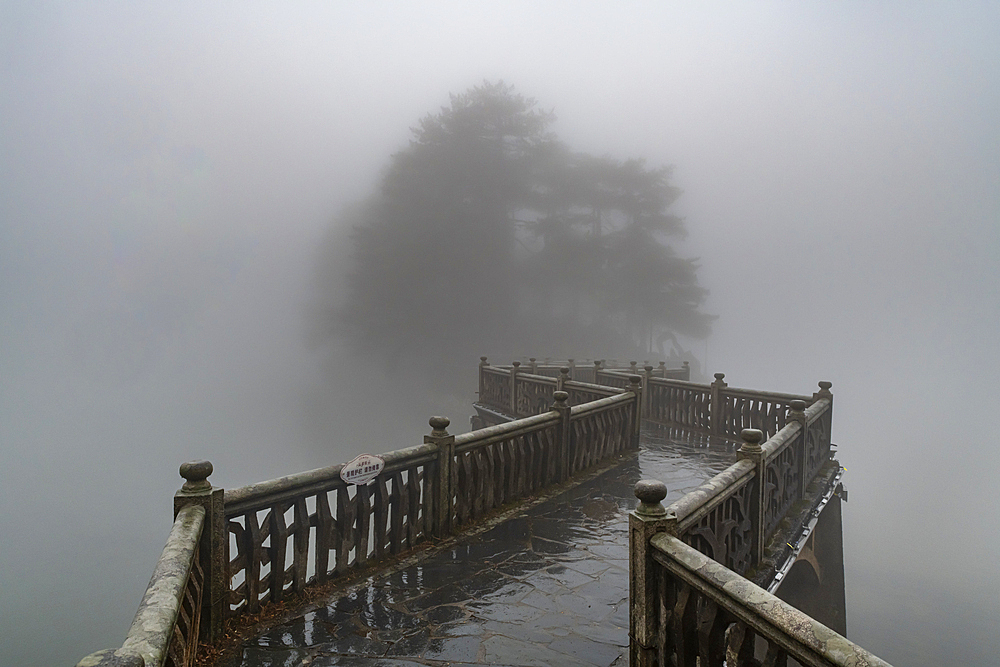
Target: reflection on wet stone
547 587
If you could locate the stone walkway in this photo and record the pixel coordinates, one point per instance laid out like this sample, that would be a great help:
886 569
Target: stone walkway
547 587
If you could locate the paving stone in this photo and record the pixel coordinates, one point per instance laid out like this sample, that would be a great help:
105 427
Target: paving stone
604 633
499 648
584 650
454 649
507 613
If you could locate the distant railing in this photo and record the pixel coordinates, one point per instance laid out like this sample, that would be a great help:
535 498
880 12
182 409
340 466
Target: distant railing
231 552
714 409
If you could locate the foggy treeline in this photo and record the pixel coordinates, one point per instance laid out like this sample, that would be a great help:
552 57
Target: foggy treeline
490 235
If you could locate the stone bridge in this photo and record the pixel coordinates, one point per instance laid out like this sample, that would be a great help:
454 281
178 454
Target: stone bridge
510 545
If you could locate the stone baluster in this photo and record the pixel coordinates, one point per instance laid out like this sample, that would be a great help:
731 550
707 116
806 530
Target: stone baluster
571 364
796 413
645 521
752 450
564 434
516 367
647 391
533 365
597 372
483 363
717 412
635 386
633 367
563 378
687 371
443 493
663 369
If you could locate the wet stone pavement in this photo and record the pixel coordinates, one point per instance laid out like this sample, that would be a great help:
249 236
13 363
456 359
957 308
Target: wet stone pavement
549 586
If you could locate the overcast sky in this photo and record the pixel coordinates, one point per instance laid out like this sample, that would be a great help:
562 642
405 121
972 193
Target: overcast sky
168 170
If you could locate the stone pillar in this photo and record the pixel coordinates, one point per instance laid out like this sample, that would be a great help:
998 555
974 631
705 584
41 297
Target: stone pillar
716 411
563 377
663 369
571 364
796 414
443 484
633 367
648 519
533 366
197 490
482 379
687 371
516 367
635 387
752 450
646 391
824 391
597 372
564 435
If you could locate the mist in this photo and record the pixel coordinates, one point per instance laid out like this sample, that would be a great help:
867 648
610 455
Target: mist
174 182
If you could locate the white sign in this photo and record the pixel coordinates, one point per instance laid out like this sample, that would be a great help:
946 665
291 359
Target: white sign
362 469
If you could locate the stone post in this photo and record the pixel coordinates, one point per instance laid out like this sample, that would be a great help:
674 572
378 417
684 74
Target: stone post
648 519
824 391
633 367
443 484
646 389
533 365
687 371
564 434
597 372
635 387
715 408
482 377
197 490
663 369
516 367
796 413
563 377
571 364
752 450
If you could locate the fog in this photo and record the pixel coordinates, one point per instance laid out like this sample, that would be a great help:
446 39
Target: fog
171 174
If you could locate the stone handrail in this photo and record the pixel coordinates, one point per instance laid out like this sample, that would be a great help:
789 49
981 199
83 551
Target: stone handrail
731 613
733 521
714 409
166 626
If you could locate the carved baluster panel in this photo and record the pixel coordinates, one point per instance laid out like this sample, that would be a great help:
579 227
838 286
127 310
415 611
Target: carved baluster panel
726 533
300 545
325 535
346 536
397 512
781 486
380 516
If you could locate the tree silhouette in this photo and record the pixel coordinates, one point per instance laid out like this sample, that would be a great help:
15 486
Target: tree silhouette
489 236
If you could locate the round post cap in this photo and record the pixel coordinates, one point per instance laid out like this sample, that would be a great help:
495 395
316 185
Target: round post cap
195 474
650 493
751 439
439 426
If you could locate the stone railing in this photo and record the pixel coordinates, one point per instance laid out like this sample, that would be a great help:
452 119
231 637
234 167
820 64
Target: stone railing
589 371
516 392
716 617
232 551
172 616
696 567
714 409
